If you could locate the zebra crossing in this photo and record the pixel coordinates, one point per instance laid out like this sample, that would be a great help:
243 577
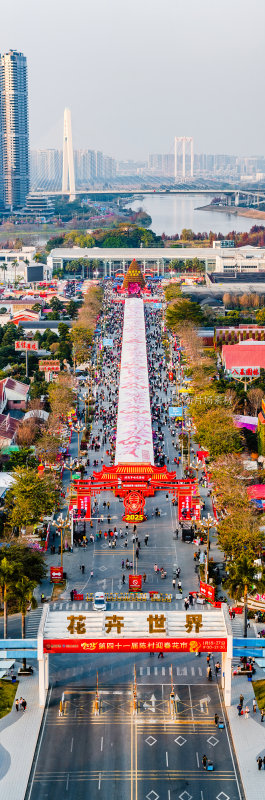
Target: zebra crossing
185 671
122 605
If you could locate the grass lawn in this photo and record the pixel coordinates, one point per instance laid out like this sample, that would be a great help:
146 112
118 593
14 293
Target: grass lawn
7 694
259 689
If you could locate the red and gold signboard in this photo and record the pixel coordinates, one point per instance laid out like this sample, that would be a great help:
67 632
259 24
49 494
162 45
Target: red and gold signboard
24 345
49 365
56 574
207 591
135 583
188 504
134 503
135 645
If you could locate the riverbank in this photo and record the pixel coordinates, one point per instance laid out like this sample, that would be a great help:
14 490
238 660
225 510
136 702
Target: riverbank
239 211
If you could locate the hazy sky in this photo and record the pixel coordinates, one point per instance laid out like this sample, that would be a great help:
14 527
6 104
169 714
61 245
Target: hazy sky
135 73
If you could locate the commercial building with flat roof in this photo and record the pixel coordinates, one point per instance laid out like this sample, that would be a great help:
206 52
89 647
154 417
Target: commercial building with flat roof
117 259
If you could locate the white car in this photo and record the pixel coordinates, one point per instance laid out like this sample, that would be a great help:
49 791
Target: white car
99 601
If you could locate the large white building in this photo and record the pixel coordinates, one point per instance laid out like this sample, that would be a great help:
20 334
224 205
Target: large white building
112 260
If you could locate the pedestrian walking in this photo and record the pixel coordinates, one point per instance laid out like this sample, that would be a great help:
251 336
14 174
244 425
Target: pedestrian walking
174 583
186 604
146 539
209 674
254 705
216 719
259 762
246 712
262 715
17 703
241 700
161 654
60 709
137 552
123 579
24 704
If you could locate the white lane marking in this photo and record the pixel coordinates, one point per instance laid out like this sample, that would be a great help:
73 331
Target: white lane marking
167 759
230 748
198 763
163 670
191 708
99 780
101 744
67 782
155 670
168 794
40 742
141 671
192 671
202 798
72 744
148 670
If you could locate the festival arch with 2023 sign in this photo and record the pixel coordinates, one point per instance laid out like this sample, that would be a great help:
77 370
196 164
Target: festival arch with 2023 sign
148 631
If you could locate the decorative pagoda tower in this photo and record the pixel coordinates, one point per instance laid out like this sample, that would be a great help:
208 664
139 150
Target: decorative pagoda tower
134 279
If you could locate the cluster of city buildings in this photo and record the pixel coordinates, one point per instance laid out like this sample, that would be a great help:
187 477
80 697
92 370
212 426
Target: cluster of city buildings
22 170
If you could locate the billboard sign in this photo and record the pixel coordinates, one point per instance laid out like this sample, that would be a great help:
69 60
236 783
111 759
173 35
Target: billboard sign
24 345
122 645
107 342
135 583
49 365
207 591
56 574
245 372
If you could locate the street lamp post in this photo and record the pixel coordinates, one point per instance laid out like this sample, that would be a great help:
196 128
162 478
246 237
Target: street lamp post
61 524
205 527
79 429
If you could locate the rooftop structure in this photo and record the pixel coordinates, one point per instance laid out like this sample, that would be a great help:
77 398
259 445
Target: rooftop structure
244 355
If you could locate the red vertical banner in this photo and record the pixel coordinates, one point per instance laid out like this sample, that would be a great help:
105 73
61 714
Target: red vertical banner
188 504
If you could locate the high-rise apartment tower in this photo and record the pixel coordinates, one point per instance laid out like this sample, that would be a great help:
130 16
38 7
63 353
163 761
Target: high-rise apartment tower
14 135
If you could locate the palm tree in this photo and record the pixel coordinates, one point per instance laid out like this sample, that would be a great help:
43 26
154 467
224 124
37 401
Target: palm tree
14 264
24 589
241 581
3 266
6 572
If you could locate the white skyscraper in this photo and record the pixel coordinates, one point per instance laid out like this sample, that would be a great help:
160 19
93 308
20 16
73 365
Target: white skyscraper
14 136
68 157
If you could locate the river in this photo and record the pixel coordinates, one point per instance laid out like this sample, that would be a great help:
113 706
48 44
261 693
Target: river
171 213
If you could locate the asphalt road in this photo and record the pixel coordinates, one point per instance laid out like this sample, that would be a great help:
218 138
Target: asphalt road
120 754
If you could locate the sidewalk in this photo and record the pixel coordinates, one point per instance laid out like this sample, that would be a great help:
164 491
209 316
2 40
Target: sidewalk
248 737
18 738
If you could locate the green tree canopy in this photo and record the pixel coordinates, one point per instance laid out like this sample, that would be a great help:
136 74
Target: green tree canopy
181 311
30 497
